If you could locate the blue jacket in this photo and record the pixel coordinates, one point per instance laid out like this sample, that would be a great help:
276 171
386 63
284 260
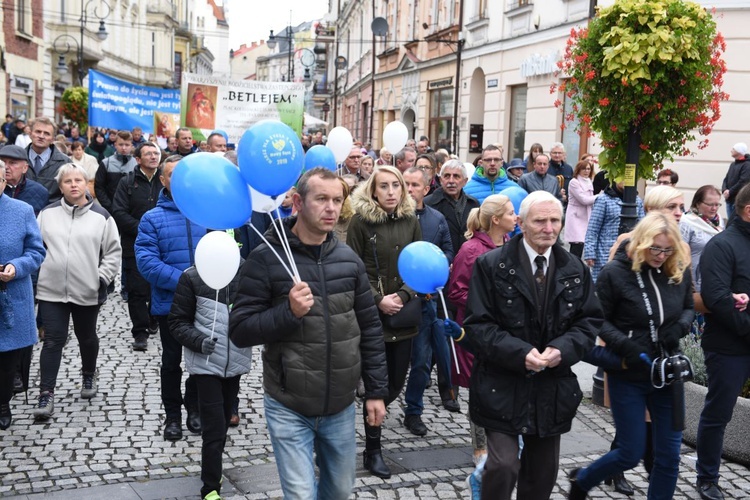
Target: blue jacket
164 249
31 192
480 187
21 245
435 230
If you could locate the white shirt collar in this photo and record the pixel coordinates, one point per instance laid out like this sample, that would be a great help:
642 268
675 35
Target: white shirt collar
533 255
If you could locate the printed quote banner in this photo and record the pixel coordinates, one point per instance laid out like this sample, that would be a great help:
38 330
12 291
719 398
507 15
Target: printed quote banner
210 103
122 105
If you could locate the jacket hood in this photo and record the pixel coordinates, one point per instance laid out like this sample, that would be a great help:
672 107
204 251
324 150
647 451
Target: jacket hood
166 201
372 213
621 254
347 212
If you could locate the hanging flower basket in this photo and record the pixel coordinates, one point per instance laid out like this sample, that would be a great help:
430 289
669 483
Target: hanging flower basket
74 104
655 65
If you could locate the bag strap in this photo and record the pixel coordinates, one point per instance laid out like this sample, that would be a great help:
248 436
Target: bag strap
374 243
190 242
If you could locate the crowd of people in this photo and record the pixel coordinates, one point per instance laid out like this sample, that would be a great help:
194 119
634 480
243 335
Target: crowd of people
522 310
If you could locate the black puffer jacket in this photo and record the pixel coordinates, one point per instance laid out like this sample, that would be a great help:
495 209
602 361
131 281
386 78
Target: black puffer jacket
108 176
737 176
626 318
135 196
311 365
725 269
502 326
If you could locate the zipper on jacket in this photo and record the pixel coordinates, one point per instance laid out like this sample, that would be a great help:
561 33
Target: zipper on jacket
327 321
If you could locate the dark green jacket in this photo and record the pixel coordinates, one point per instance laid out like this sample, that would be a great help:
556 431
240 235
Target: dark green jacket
390 233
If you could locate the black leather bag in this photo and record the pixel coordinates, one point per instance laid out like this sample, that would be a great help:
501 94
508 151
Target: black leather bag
408 317
410 314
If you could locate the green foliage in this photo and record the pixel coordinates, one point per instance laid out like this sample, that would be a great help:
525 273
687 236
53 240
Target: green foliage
74 104
654 65
691 347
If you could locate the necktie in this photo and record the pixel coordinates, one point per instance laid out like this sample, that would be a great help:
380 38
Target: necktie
539 277
38 164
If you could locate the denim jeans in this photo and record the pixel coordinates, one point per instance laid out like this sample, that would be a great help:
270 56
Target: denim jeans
431 339
629 403
294 438
726 375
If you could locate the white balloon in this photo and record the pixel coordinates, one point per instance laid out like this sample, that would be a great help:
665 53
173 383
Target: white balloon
470 169
263 203
217 259
340 141
395 136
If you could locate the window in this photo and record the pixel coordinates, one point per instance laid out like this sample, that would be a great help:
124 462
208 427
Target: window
441 117
23 16
517 120
570 138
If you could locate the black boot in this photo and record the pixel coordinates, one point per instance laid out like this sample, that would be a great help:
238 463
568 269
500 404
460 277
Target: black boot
373 458
576 493
5 416
621 484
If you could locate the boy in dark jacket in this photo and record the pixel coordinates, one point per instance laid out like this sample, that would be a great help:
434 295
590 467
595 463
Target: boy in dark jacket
201 325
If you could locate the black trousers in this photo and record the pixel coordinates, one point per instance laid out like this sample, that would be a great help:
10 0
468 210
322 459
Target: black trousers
535 472
216 398
577 249
171 375
139 296
8 365
56 317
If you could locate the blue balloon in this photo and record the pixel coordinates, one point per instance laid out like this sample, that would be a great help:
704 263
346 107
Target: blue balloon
270 156
221 132
320 156
210 191
423 266
516 194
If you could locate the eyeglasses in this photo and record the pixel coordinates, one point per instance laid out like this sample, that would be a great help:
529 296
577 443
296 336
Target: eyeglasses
423 168
492 160
355 157
656 251
712 205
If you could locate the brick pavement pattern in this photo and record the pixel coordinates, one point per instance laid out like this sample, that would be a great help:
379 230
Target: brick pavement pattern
112 445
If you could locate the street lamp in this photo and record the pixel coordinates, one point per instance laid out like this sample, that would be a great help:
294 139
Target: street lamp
290 41
69 41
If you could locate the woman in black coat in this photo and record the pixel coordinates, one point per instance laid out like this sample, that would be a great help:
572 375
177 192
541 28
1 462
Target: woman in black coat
646 296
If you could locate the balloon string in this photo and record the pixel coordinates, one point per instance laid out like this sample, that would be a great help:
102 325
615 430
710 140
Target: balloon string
213 325
453 344
273 250
285 244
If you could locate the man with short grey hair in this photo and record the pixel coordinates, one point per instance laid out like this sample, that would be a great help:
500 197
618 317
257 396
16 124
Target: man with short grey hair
531 315
405 159
558 167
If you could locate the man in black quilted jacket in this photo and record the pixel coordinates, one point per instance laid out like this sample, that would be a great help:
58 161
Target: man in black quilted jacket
319 331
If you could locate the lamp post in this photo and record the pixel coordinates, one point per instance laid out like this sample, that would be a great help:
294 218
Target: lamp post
290 42
69 41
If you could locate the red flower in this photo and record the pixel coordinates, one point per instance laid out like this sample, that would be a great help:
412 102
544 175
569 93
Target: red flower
604 102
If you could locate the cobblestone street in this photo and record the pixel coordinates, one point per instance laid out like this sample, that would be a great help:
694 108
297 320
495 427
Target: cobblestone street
112 446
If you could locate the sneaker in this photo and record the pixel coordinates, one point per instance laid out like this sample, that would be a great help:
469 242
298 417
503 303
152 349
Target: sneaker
475 485
414 424
89 386
46 406
140 343
214 495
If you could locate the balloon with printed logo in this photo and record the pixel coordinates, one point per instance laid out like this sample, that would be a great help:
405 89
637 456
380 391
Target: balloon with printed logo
395 136
340 142
320 156
217 259
270 157
210 191
423 266
263 203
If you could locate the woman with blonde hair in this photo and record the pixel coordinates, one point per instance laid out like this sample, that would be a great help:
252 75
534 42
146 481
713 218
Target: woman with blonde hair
487 228
384 223
646 295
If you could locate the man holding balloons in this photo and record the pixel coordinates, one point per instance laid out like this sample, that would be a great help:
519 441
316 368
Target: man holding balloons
320 330
531 315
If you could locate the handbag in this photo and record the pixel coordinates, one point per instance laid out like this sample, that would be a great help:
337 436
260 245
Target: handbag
410 314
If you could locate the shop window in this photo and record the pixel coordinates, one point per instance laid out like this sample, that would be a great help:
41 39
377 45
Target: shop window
517 126
570 138
441 117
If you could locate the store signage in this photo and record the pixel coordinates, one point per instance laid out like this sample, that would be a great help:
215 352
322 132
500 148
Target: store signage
537 64
438 84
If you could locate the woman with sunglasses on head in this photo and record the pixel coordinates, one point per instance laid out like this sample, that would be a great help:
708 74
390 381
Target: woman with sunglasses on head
646 295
